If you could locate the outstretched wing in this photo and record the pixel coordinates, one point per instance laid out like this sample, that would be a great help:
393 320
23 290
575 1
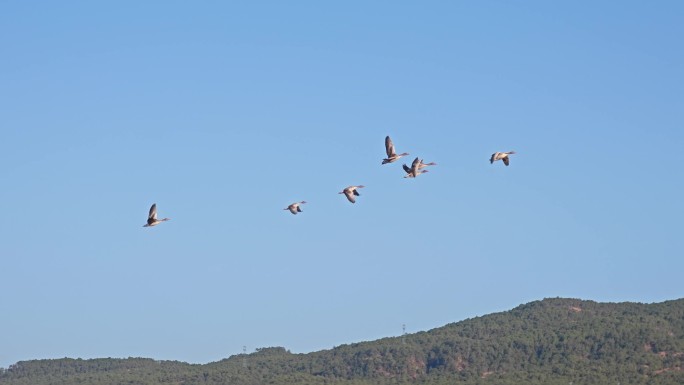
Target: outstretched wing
153 212
505 160
389 147
406 168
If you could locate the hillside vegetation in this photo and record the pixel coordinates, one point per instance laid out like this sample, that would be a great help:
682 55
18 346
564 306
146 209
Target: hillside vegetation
554 341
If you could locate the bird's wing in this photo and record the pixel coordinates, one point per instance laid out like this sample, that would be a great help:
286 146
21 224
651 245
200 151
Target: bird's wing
153 212
505 160
356 192
389 147
415 163
350 196
299 209
406 168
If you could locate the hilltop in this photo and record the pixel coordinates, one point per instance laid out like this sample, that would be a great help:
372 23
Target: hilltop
552 341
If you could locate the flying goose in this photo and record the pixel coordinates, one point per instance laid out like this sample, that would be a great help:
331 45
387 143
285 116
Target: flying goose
501 156
415 169
423 165
294 208
391 154
152 217
351 193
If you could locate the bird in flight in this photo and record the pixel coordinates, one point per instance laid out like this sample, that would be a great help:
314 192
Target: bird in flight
152 217
391 153
294 208
501 156
351 193
415 169
423 165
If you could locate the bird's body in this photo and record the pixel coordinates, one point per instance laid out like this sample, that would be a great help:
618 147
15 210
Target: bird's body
503 156
294 208
392 155
152 217
415 169
351 193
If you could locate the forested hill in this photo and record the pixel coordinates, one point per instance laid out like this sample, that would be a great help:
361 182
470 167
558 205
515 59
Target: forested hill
554 341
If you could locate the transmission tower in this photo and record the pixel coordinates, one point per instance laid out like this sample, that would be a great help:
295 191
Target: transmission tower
403 334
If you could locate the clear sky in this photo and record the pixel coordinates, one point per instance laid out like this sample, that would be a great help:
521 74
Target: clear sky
225 113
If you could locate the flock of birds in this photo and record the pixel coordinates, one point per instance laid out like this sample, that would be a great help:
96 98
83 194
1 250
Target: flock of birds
417 168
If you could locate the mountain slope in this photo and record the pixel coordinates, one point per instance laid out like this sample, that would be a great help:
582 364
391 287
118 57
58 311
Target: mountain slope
542 342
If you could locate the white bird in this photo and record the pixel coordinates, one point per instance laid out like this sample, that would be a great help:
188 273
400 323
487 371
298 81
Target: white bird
415 169
391 153
294 208
351 193
152 217
501 156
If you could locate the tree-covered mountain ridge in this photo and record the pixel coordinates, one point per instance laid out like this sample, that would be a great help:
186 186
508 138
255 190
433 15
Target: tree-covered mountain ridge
552 341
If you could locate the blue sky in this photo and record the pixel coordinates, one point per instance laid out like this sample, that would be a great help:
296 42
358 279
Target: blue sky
223 114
